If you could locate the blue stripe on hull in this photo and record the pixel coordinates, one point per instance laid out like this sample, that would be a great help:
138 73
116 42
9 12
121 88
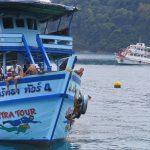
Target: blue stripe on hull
43 78
34 141
37 79
33 98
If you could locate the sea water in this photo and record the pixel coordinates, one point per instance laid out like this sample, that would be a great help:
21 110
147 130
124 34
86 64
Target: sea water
116 119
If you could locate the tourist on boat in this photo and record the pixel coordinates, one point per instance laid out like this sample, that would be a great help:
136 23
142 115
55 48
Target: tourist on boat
17 73
1 73
25 68
63 64
31 69
77 106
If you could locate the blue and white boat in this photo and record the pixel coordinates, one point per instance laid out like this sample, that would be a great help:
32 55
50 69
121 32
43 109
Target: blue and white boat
41 108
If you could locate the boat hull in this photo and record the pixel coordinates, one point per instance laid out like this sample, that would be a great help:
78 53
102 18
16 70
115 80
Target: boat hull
130 61
37 111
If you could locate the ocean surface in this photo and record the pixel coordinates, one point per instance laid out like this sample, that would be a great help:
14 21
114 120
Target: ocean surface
116 119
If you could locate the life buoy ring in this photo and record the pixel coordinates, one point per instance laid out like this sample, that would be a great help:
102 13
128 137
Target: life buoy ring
85 99
81 105
84 103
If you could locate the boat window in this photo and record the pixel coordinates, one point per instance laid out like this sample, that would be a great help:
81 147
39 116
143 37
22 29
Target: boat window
8 23
32 24
20 23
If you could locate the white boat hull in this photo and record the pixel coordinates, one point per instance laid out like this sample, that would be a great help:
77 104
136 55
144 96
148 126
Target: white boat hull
129 61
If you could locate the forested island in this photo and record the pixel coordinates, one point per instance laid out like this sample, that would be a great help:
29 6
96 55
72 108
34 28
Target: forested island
105 26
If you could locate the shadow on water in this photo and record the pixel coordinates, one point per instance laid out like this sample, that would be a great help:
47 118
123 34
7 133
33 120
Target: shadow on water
59 145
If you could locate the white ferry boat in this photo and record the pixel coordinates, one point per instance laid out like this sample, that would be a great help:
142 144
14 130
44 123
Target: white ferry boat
137 54
45 105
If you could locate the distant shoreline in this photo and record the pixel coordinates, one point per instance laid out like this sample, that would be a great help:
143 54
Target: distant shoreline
96 59
90 52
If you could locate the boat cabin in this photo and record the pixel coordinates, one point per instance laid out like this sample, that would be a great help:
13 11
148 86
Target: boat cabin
24 33
138 51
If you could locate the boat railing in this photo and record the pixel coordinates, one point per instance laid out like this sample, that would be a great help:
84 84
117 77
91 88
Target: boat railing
57 42
49 41
15 40
11 40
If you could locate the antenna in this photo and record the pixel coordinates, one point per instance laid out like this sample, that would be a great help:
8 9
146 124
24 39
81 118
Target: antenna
140 39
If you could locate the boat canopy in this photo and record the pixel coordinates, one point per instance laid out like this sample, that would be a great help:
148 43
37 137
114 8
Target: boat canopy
43 10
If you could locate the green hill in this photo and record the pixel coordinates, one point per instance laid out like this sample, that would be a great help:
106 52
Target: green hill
108 25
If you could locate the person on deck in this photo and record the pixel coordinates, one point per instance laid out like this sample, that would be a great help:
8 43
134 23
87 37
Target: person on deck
31 68
1 73
63 64
17 73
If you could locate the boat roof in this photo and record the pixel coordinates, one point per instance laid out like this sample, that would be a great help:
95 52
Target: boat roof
43 10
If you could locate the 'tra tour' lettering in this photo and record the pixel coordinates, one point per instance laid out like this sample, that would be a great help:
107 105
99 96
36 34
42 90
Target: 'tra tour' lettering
18 113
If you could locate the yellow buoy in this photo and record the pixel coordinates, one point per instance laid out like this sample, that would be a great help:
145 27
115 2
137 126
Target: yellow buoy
117 84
